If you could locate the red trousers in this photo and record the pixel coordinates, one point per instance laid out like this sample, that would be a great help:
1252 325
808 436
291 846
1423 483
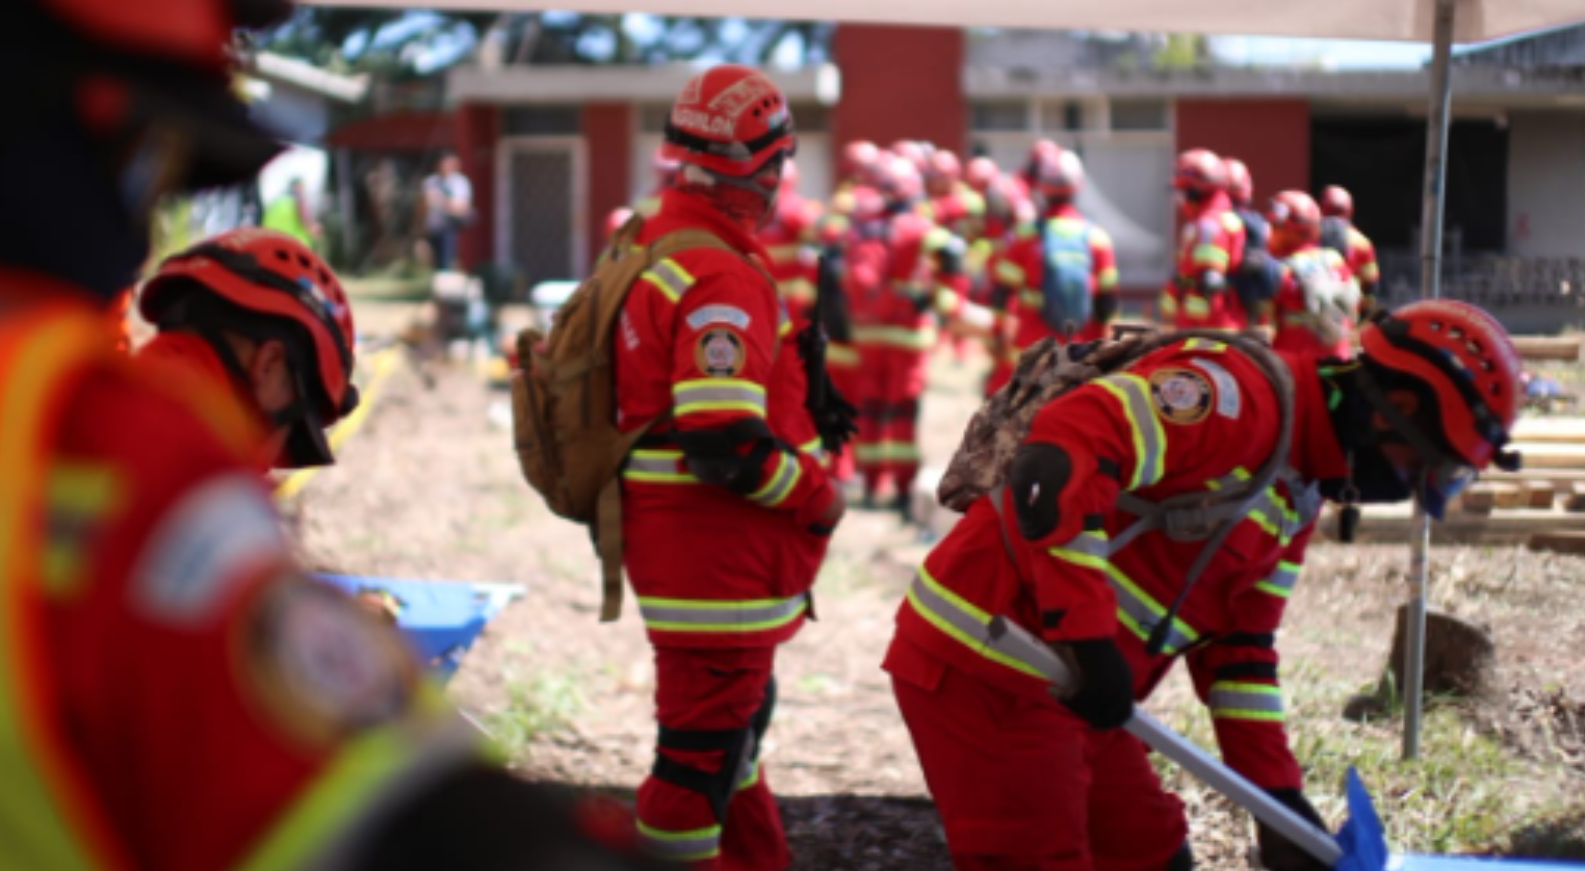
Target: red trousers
712 692
888 445
1023 785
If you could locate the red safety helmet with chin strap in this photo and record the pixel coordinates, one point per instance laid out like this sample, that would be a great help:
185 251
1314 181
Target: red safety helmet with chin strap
1059 176
1199 171
274 281
1240 184
981 173
858 158
1295 215
731 129
1337 202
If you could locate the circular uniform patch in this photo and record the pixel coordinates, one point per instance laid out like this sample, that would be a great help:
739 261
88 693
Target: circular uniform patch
319 666
1181 395
719 353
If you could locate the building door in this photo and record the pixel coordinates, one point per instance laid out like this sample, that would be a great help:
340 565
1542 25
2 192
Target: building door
540 225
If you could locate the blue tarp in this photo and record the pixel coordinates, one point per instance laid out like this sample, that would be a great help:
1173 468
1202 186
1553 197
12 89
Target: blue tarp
441 618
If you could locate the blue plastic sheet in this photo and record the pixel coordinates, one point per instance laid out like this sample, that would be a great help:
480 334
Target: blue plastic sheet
441 618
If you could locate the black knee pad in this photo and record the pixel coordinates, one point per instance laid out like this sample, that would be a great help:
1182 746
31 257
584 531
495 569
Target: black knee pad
717 786
1039 474
1183 860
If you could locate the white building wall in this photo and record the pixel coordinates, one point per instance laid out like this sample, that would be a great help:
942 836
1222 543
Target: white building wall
1546 184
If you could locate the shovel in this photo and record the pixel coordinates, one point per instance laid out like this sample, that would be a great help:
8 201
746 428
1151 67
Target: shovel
1360 846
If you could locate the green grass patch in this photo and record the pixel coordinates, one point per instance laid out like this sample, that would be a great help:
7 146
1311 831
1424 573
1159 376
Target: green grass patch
537 705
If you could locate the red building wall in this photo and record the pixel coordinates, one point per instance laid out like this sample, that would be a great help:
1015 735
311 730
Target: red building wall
608 135
900 83
1271 136
477 129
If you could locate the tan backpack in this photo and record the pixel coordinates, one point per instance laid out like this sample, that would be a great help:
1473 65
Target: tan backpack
1047 370
564 399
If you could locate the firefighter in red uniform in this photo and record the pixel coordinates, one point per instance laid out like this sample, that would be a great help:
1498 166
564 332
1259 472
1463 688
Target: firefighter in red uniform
1317 299
789 239
174 693
708 346
1212 244
1064 246
1339 233
895 291
259 315
1025 781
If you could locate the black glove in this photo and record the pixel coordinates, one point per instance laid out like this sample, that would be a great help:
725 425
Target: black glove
1105 698
1280 854
836 420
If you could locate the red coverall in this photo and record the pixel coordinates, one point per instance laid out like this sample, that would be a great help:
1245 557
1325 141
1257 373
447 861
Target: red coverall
894 331
787 237
721 577
1198 295
1361 260
1020 781
175 696
1298 327
1019 275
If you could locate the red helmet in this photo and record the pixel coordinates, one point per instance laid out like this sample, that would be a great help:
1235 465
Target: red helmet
1466 360
912 151
858 157
1240 184
868 205
1337 202
1059 176
1293 212
1042 149
267 274
730 120
944 165
1199 171
898 180
981 173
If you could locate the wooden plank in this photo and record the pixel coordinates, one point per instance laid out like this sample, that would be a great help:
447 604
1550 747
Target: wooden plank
1540 455
1481 498
1501 527
1538 494
1561 542
1550 430
1548 347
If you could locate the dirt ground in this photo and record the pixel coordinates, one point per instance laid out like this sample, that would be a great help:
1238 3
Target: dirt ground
429 489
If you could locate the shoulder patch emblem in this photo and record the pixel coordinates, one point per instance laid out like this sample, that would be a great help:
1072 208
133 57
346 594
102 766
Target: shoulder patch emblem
718 314
720 353
1182 396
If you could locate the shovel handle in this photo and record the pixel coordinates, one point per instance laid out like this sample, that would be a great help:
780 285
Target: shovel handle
1012 638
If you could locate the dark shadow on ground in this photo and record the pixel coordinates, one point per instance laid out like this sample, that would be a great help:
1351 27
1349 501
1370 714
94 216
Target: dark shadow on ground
1557 838
864 833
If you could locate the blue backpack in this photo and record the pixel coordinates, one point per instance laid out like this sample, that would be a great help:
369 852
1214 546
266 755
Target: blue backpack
1065 284
1256 278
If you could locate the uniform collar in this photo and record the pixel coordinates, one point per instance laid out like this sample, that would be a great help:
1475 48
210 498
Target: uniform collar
1315 454
681 209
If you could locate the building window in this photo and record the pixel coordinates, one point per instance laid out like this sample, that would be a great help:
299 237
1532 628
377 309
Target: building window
541 121
1140 114
997 115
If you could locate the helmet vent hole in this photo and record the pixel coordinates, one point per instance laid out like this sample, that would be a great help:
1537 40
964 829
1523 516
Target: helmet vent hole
303 262
282 255
323 278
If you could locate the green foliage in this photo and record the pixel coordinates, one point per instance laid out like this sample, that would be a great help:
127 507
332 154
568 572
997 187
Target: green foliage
535 706
1184 51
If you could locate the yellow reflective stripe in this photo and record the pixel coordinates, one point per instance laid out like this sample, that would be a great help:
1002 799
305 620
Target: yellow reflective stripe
1107 279
50 822
814 447
657 466
1197 306
960 620
368 766
784 253
1207 345
720 615
669 278
946 300
1033 299
910 338
879 451
689 846
1008 272
1168 304
1149 438
751 778
798 290
1140 613
1282 581
1231 700
781 483
717 394
1087 549
842 355
78 495
1209 255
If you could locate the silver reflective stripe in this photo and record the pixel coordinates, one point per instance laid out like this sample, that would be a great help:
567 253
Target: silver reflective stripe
687 846
780 484
659 465
1141 614
705 615
972 628
1246 701
672 278
685 394
1281 581
1092 544
1150 441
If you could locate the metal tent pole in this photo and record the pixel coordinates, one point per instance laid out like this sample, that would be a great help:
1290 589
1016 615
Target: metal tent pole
1430 288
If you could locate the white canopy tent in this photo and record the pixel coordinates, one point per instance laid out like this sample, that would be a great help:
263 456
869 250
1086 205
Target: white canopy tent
1439 22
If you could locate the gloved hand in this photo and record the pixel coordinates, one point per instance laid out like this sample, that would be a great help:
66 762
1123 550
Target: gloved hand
1105 698
1280 854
